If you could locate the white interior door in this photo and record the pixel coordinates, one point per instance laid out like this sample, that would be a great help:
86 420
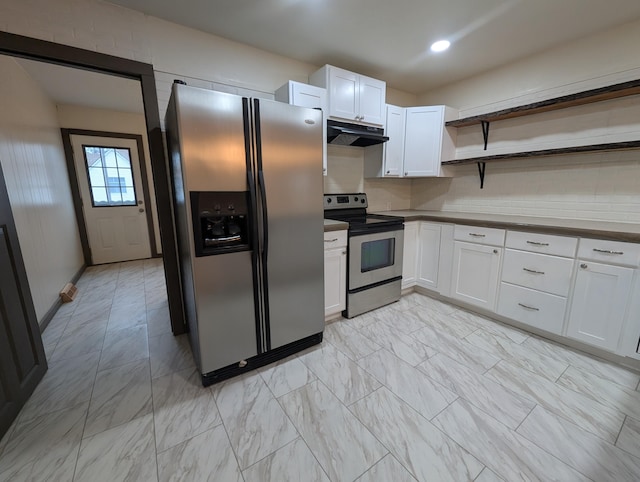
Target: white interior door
111 188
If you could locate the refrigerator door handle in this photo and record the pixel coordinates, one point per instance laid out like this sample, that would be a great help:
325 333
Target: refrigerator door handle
264 223
265 230
246 119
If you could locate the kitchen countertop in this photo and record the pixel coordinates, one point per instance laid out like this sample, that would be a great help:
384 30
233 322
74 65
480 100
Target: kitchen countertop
332 225
628 232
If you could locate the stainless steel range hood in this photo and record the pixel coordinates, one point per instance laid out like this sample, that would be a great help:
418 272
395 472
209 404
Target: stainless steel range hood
346 134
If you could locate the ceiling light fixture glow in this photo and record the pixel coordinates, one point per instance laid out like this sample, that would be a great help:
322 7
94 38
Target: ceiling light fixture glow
440 46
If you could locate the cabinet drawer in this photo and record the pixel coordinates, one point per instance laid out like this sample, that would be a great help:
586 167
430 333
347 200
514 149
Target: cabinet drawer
476 234
611 252
335 239
538 271
532 307
542 243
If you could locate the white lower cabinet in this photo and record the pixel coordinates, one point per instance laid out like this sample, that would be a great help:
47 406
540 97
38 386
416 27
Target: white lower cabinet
335 272
410 254
600 297
532 307
429 255
475 274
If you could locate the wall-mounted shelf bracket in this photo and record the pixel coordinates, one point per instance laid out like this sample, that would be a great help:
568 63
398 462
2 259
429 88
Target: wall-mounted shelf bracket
481 167
485 132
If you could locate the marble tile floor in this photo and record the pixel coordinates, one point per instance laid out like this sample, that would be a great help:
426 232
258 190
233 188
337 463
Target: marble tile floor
419 390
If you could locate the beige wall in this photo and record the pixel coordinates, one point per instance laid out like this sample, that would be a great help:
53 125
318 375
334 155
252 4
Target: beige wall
345 173
603 186
78 117
35 172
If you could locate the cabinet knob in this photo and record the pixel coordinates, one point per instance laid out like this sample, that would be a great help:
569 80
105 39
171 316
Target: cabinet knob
361 117
406 173
584 266
495 251
388 172
357 117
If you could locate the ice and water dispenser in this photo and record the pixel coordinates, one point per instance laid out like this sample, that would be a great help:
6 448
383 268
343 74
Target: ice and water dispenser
220 222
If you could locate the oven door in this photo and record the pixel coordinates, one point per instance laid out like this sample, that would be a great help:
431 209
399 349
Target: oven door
374 258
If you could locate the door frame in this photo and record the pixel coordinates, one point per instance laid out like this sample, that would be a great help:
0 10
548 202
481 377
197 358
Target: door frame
75 188
42 50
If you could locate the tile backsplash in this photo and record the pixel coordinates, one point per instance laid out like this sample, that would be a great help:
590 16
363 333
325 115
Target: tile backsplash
345 167
597 187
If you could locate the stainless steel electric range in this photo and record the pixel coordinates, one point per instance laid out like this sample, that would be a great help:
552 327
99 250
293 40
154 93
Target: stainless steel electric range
374 263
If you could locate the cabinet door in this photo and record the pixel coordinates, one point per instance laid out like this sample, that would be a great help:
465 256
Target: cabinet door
343 94
335 279
372 100
410 254
308 96
475 274
428 255
423 141
393 150
315 98
599 304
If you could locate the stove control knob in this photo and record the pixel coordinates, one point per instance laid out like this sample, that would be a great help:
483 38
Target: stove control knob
328 200
217 207
231 207
362 201
355 198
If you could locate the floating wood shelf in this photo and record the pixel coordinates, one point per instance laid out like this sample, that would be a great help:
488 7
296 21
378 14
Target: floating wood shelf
616 146
615 91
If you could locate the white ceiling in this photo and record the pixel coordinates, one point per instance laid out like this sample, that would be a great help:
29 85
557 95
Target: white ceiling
70 86
389 39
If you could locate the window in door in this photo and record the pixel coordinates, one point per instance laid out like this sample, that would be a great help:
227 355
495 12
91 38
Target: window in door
110 176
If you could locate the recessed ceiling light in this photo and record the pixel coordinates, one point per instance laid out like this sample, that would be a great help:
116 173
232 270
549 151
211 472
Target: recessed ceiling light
440 46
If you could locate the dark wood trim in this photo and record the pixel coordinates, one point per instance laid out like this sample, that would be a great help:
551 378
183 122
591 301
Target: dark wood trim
17 390
30 48
75 195
46 319
73 178
609 92
616 146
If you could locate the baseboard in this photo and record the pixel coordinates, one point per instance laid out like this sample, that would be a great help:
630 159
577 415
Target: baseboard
46 319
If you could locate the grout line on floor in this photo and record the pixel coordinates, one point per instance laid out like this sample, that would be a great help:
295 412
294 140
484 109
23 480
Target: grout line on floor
560 376
620 431
296 428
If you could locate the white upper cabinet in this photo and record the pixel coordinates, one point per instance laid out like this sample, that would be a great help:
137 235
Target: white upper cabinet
305 95
427 141
418 143
393 149
352 96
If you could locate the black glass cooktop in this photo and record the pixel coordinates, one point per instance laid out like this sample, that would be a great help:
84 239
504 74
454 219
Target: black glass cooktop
364 219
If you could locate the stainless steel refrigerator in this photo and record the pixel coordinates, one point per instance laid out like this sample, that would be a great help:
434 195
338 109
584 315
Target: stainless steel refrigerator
247 185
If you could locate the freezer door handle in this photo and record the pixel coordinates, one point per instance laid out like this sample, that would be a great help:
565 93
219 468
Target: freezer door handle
263 199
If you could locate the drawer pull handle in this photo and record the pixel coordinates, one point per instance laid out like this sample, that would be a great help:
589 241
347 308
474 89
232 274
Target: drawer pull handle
607 251
529 307
330 240
533 271
536 243
476 235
